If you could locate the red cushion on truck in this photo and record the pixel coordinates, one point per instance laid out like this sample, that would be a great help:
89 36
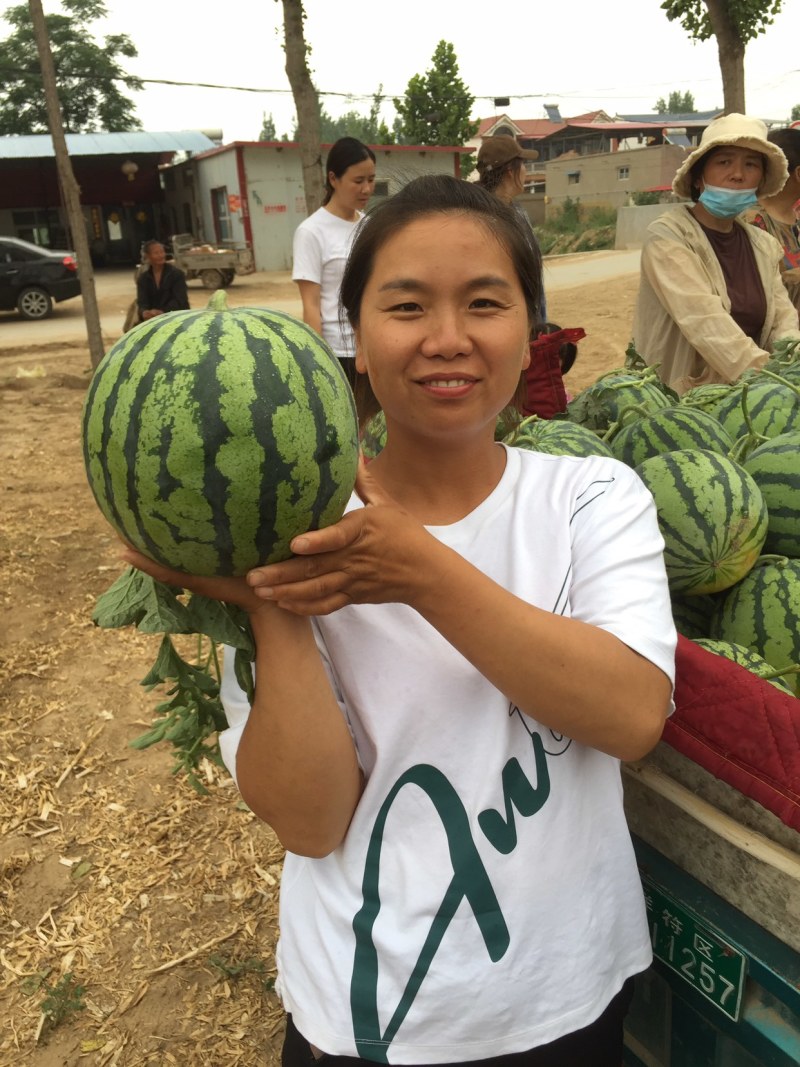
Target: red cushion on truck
738 727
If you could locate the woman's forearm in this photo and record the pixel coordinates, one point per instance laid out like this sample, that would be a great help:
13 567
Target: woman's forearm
296 766
573 677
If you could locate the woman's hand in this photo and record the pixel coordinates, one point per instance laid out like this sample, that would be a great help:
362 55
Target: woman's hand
229 590
371 556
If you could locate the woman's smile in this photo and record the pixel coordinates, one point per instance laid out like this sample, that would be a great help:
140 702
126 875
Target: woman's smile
443 330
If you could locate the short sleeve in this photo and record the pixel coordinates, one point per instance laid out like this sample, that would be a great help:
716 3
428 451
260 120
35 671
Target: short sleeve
306 256
619 579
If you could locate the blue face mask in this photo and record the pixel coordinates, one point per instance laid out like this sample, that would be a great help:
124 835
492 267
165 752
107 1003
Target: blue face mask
727 203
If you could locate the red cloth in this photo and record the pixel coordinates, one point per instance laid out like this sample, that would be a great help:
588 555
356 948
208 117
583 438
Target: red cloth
545 394
738 727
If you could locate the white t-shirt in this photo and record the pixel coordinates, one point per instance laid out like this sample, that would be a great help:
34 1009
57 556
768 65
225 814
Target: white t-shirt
486 899
321 246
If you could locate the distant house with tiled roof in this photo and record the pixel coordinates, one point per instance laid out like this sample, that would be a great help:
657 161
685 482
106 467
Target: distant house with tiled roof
596 157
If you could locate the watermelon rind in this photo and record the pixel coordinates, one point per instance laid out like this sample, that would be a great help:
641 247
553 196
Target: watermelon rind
616 399
775 468
212 437
746 658
670 430
762 612
764 407
692 614
706 397
556 437
712 517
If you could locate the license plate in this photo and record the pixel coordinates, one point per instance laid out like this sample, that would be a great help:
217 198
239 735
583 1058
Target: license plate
685 945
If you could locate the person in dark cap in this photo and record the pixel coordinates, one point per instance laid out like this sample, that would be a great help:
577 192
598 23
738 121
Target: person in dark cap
501 170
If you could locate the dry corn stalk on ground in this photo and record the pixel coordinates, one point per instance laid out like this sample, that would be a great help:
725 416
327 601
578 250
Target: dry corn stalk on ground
162 904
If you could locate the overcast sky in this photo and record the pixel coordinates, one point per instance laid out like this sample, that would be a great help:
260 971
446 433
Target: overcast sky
580 54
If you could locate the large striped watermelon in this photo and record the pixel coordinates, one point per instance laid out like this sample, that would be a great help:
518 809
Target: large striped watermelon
213 437
763 406
669 430
556 437
775 467
712 517
618 398
762 611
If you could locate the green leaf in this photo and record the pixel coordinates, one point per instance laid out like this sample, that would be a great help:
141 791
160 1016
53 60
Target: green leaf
243 669
221 622
136 599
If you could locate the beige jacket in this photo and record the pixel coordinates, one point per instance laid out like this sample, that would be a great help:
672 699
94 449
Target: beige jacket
682 319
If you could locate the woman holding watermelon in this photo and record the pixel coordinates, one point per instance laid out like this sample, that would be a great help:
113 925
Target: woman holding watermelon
446 681
711 301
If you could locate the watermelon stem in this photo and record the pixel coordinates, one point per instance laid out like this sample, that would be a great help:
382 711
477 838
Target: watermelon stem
783 381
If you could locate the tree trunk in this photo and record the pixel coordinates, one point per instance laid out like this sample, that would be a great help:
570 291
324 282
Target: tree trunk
69 186
730 48
309 134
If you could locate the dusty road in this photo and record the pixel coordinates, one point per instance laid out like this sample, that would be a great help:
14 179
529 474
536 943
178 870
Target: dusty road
595 290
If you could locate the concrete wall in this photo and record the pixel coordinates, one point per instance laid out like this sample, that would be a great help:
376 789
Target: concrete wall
633 221
610 178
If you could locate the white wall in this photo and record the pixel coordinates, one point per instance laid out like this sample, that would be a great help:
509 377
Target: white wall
633 221
275 195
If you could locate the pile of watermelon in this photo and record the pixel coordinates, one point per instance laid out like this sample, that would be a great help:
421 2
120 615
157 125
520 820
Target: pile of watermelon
723 465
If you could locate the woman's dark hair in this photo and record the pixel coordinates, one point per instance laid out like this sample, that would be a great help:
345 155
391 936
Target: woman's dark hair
491 178
437 194
345 153
788 140
696 169
440 194
153 241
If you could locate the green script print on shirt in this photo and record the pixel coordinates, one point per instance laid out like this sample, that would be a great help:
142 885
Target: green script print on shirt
470 881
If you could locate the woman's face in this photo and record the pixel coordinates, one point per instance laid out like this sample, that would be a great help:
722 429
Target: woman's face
354 188
732 167
443 326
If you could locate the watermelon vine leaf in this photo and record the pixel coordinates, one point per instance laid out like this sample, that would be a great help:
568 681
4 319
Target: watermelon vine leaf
193 715
135 599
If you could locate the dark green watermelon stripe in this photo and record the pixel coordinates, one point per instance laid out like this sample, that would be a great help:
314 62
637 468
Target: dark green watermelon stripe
135 352
147 359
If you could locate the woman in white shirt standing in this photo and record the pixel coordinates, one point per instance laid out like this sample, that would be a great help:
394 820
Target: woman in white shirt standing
322 243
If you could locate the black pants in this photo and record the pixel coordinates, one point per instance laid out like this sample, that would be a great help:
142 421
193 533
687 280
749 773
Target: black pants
596 1045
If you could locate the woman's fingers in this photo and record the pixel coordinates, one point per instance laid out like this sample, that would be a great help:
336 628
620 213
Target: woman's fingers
162 574
230 590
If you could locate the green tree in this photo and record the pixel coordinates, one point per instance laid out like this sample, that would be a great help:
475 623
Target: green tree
268 131
677 104
437 106
795 113
733 23
370 128
88 74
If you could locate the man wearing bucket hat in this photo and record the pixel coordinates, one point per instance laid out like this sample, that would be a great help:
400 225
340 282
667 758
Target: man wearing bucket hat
711 301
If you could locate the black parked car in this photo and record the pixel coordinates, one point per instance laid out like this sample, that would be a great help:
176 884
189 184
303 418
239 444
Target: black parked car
32 278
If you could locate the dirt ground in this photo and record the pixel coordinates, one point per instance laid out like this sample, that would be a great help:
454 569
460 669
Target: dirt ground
158 902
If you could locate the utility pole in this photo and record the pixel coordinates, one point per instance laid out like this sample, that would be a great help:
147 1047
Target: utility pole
69 186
